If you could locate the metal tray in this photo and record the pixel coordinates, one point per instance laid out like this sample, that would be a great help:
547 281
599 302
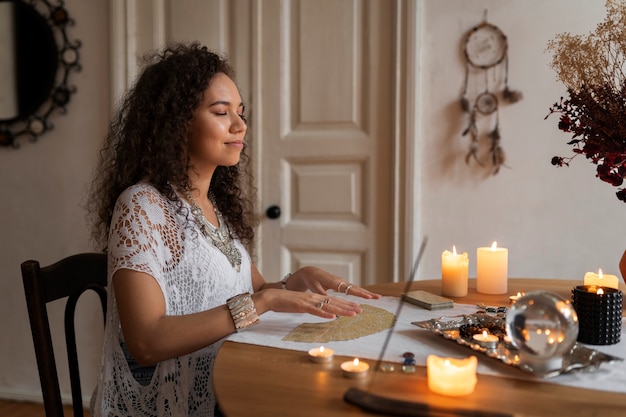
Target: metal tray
579 358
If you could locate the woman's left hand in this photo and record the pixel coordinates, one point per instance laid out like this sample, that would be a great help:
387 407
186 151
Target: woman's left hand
319 281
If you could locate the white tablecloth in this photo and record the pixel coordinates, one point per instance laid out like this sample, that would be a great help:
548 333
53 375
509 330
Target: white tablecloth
407 337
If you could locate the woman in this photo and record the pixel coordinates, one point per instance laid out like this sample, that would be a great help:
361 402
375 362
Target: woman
176 216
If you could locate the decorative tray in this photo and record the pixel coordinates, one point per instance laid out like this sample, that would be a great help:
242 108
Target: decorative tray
461 329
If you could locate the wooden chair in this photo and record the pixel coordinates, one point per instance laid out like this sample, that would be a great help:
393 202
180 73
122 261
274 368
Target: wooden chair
68 278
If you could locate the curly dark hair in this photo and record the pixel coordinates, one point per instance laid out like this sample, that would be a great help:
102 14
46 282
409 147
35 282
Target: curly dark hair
147 141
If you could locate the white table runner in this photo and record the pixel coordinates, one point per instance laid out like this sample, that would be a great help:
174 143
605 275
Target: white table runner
407 337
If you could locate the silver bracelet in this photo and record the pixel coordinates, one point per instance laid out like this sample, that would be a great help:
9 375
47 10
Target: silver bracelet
242 311
283 282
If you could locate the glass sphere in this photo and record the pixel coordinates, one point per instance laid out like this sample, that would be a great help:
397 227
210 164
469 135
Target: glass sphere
542 325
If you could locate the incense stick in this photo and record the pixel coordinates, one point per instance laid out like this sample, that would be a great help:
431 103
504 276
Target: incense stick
399 309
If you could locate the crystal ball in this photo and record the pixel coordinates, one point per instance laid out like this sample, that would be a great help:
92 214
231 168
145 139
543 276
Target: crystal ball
542 325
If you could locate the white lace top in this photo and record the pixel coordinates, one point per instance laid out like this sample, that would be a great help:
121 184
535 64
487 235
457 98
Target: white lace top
148 235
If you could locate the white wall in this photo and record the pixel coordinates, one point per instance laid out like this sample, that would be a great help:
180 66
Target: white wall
42 190
556 222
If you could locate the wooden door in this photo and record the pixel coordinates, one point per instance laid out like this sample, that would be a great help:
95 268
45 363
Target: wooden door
322 132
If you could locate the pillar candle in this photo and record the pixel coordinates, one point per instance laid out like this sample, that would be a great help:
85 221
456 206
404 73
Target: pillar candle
453 377
601 280
492 269
454 273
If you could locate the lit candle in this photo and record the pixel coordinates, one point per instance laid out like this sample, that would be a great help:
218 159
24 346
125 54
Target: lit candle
600 279
513 299
453 377
355 368
454 273
599 311
321 354
486 340
492 269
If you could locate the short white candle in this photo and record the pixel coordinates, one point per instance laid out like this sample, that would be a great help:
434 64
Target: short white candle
492 269
321 355
449 376
486 340
355 368
454 273
600 279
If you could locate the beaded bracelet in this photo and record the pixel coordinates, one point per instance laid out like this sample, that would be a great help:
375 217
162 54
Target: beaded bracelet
242 311
283 282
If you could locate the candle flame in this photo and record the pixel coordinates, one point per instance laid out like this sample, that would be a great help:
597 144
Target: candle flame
356 362
454 250
519 294
484 334
599 273
600 291
494 245
321 348
446 362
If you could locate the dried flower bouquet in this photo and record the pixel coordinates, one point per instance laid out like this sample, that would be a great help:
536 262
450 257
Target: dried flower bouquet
593 69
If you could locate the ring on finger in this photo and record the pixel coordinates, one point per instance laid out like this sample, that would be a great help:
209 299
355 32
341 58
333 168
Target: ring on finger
341 284
348 289
320 305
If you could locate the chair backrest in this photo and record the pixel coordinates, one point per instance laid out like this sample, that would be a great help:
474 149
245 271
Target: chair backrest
68 278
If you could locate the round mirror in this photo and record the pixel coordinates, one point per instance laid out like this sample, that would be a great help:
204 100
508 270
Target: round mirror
36 58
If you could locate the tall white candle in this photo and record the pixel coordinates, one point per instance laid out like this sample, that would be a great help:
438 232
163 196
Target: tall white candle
454 273
600 279
492 269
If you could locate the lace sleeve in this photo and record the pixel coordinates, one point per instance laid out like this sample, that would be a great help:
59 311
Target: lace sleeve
145 233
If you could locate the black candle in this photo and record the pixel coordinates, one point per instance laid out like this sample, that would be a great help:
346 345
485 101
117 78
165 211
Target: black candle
599 311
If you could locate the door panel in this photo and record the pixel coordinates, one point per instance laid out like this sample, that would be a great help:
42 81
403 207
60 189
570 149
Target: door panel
323 134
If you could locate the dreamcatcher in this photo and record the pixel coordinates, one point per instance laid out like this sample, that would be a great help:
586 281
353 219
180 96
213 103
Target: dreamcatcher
485 50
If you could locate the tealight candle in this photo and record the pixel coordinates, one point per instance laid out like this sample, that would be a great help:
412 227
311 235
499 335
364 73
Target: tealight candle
355 368
600 279
449 376
321 355
486 340
492 269
513 299
454 273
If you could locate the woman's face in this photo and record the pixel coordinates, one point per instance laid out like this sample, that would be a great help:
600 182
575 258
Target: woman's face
218 128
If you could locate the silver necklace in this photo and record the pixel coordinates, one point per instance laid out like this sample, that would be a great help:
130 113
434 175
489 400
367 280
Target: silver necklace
219 236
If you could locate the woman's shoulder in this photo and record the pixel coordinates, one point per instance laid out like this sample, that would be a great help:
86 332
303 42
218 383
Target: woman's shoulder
141 188
145 201
142 191
145 195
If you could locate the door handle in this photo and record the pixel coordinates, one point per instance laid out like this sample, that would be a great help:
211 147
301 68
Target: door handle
273 212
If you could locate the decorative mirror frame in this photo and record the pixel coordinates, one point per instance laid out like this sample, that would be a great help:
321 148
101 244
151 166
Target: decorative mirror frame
37 123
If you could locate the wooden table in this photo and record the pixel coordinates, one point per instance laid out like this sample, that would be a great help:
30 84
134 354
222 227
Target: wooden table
260 381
